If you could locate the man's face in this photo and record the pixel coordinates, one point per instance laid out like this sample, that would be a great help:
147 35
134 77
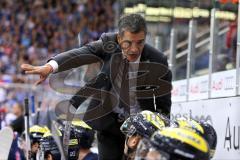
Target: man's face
35 147
132 44
17 110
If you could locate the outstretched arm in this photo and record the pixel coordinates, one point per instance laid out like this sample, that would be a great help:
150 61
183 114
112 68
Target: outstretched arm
87 54
90 53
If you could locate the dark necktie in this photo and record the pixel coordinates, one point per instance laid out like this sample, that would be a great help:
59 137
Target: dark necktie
124 90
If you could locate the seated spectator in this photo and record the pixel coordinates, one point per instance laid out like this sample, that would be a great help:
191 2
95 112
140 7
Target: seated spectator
25 36
18 123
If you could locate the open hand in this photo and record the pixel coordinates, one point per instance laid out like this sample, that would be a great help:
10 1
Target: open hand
42 71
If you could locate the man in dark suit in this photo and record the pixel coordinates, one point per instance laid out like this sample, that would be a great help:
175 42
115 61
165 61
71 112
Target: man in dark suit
134 77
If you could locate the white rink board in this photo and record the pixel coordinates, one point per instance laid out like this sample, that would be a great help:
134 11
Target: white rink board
179 91
198 88
224 115
223 84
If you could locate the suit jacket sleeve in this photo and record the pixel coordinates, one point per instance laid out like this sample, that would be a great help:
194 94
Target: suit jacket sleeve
87 54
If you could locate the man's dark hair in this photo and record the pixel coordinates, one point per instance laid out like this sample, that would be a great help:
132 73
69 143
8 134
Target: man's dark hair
133 23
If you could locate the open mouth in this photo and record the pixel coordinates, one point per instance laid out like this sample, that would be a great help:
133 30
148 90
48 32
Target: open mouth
132 55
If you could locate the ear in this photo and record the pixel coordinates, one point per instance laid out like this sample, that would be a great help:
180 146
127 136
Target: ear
118 38
136 140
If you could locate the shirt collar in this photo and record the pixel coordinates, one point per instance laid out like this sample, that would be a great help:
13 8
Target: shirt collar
138 60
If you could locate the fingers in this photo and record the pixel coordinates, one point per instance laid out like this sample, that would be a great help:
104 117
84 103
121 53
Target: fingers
32 72
43 71
27 67
40 80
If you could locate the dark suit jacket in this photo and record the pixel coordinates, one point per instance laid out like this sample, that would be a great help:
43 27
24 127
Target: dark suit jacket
153 71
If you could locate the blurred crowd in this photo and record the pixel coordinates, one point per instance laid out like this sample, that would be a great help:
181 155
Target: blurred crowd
31 31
